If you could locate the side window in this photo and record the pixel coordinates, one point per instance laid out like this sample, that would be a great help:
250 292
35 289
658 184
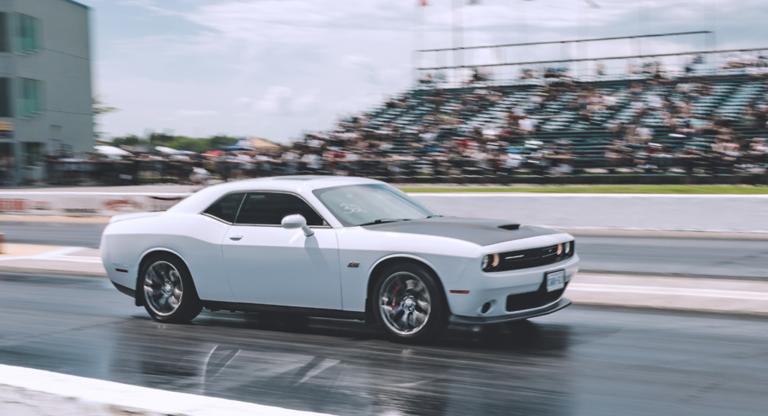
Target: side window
267 208
226 207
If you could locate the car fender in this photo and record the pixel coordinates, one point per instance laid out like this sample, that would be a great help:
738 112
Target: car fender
411 256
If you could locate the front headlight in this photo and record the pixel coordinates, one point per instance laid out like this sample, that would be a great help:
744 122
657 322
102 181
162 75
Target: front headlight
568 247
527 258
490 262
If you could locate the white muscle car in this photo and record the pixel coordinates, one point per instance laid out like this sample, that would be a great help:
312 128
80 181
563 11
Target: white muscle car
335 247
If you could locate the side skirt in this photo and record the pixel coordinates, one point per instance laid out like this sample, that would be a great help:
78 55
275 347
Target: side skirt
124 290
257 307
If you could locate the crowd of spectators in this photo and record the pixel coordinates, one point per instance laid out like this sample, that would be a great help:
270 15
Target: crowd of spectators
662 135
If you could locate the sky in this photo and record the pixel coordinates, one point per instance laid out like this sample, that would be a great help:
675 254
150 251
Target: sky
278 68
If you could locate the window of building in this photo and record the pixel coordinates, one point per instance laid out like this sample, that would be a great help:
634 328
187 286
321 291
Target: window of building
6 163
4 47
5 97
28 39
33 153
30 97
269 208
226 207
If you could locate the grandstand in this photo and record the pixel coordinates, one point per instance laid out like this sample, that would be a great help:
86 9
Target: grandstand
702 121
664 117
559 118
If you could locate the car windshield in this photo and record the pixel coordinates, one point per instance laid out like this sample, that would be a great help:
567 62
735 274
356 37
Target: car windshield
370 204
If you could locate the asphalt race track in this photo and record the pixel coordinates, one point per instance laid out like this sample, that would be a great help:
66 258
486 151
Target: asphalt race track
54 233
644 255
675 256
580 361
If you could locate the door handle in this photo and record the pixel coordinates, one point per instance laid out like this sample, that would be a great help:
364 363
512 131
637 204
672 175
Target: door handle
236 237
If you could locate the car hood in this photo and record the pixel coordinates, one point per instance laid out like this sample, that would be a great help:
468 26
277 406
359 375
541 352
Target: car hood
479 231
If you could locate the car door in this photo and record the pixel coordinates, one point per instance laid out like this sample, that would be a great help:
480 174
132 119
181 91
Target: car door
271 265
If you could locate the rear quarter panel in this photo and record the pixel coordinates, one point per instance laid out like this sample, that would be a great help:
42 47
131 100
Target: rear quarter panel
193 237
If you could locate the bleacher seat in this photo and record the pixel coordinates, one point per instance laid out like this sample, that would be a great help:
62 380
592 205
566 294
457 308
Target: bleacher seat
559 119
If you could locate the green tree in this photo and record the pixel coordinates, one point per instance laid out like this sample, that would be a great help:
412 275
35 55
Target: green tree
218 142
131 140
161 139
99 108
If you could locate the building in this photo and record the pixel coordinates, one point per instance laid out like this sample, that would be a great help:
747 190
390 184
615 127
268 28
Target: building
45 85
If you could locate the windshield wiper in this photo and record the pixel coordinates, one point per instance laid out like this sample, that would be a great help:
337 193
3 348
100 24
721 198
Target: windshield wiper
434 216
383 221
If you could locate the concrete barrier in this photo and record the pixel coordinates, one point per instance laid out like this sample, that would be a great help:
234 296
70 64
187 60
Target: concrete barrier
717 213
85 203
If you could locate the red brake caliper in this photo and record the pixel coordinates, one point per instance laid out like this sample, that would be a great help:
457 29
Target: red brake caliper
394 294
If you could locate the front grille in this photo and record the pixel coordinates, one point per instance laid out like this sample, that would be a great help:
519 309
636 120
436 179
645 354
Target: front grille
530 300
522 259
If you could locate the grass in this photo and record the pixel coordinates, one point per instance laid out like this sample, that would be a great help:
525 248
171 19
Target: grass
599 189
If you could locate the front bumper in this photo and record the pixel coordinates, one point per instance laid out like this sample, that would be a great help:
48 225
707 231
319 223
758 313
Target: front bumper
512 316
507 296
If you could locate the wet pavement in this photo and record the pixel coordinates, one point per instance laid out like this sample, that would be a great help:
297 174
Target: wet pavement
579 361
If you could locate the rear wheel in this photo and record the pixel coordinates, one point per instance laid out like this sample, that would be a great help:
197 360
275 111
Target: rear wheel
408 303
168 290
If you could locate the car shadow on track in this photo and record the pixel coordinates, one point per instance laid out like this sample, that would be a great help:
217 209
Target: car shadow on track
347 367
519 336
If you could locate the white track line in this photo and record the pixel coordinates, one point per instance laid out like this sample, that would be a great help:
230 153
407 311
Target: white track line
127 397
673 291
58 254
70 259
63 251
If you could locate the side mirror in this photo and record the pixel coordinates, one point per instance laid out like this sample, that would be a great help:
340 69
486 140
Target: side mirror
291 222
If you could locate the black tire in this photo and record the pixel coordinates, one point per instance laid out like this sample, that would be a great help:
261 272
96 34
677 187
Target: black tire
437 316
188 304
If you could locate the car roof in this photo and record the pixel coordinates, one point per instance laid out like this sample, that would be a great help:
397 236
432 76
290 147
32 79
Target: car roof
295 183
299 184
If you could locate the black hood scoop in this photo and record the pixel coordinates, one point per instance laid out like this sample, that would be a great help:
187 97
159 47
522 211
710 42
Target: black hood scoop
510 227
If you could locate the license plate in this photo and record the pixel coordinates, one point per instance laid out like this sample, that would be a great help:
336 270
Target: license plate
555 280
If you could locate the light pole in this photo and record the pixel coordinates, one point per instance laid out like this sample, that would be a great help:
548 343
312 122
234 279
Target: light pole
456 26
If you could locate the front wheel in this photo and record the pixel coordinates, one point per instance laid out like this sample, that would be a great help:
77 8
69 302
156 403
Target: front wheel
409 303
169 294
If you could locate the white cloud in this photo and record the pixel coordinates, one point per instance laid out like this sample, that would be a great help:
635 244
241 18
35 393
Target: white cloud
303 104
281 100
275 99
195 113
274 68
150 5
